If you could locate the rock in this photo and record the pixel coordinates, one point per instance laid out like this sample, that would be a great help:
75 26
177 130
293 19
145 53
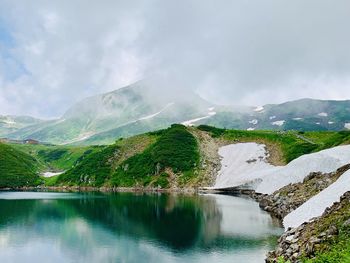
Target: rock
347 223
333 230
315 240
294 247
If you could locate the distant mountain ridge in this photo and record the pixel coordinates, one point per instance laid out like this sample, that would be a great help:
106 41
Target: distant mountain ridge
301 115
140 108
131 110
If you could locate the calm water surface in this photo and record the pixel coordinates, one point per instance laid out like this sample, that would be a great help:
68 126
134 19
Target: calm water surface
125 227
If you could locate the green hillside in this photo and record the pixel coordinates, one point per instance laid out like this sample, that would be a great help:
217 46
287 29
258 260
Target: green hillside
17 168
154 158
56 158
289 144
165 158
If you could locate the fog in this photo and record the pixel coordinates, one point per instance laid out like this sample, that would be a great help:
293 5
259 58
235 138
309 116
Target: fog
55 53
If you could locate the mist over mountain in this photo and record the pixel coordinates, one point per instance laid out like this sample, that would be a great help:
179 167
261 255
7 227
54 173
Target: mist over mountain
143 107
127 111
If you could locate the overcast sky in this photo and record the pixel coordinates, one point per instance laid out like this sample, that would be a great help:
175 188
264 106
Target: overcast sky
53 53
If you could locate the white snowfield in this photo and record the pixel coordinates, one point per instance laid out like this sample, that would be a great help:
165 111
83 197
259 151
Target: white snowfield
316 205
347 126
325 161
245 163
242 163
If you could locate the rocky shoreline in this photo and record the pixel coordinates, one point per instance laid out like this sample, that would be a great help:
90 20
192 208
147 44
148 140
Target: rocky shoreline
293 245
313 237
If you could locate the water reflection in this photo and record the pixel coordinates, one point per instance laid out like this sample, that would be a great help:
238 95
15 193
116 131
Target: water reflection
127 227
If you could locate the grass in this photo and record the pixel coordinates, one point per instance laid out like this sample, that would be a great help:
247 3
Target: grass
17 169
56 158
289 144
176 149
337 249
96 168
93 170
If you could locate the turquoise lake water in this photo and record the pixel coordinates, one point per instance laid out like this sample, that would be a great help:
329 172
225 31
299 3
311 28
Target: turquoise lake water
128 227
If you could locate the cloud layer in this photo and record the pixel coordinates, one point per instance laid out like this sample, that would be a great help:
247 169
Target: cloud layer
53 53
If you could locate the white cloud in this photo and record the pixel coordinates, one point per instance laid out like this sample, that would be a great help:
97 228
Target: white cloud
235 52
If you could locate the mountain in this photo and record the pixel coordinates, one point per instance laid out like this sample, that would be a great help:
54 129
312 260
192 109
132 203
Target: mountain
141 108
127 111
11 123
301 115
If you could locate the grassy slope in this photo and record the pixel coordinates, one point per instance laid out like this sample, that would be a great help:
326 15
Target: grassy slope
336 249
289 145
154 158
17 169
56 158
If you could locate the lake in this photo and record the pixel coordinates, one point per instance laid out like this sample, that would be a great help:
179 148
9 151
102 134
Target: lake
133 227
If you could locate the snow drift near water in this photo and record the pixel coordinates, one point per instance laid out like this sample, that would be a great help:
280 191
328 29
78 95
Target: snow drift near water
242 163
325 161
245 163
316 205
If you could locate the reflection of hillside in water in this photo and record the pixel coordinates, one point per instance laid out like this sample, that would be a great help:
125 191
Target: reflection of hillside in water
119 224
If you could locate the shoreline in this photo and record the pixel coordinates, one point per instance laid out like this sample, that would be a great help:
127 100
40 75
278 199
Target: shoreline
103 189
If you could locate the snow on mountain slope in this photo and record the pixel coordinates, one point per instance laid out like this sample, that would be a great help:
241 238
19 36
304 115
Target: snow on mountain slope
325 161
315 206
211 113
157 113
245 163
242 163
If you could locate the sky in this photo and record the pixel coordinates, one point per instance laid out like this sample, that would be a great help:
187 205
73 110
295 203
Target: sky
54 53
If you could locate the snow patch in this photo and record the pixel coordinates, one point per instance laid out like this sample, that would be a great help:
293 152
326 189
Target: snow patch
191 122
325 161
347 126
323 114
316 205
278 123
242 163
297 119
9 121
157 113
250 129
254 122
259 109
246 163
318 123
50 174
272 117
330 122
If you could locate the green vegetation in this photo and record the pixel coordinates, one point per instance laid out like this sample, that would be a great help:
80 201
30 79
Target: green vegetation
56 158
94 169
336 249
161 158
290 143
17 169
176 149
146 160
